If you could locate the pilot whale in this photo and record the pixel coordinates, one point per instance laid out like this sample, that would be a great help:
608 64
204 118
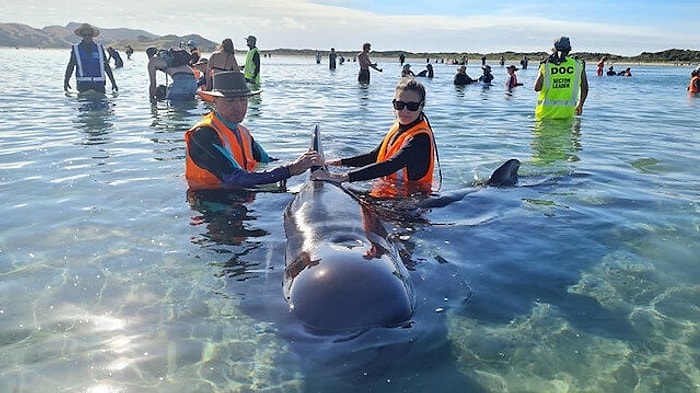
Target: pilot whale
342 272
505 175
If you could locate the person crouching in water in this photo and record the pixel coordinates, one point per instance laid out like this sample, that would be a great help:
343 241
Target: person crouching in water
184 85
221 151
404 161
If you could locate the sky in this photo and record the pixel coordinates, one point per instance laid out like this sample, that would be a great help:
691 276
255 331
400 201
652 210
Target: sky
620 27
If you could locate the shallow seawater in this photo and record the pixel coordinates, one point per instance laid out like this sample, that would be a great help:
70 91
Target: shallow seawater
583 278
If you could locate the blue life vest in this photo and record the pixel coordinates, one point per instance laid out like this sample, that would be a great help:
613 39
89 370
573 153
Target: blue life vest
90 67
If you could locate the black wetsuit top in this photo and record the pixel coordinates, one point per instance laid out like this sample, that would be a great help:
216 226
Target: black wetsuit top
463 79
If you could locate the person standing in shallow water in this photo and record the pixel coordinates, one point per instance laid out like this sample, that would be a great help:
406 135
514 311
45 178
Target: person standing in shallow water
332 56
251 68
561 83
223 59
365 63
90 60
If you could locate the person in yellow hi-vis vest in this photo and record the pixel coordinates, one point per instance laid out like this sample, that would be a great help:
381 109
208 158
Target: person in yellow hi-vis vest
562 84
251 69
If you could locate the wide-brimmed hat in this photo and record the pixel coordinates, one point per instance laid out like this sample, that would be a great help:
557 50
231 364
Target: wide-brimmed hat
562 44
230 84
85 28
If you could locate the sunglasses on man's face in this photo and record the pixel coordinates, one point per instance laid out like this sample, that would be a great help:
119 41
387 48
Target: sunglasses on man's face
412 106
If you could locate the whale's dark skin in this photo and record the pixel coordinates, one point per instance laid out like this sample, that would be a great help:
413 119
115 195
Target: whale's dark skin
342 272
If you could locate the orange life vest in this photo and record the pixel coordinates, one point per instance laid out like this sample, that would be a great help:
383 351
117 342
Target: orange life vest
693 86
241 149
398 184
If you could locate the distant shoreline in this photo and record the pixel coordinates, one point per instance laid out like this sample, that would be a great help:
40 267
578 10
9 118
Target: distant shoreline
474 59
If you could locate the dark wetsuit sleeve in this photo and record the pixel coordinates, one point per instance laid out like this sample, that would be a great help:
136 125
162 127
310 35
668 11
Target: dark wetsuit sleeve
362 159
411 155
203 152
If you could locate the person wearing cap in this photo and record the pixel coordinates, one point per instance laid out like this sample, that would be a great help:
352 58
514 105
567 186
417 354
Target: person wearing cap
89 61
406 71
223 59
184 85
365 63
195 54
220 150
512 80
251 68
561 83
461 78
487 76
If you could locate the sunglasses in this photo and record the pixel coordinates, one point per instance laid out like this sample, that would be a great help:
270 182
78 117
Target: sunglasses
411 106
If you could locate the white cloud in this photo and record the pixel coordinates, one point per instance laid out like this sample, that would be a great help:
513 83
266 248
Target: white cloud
303 24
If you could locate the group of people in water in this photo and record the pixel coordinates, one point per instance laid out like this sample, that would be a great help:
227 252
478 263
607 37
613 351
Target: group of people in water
189 72
221 151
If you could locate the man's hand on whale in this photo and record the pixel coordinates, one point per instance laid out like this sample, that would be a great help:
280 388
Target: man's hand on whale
304 162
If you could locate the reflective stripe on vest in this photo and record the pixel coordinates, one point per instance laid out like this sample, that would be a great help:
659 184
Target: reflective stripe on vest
89 68
250 65
237 145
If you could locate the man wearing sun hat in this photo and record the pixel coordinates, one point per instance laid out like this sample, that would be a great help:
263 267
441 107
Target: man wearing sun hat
562 84
88 59
222 151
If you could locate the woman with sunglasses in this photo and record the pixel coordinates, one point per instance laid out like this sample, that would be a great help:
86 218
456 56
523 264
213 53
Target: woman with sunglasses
404 160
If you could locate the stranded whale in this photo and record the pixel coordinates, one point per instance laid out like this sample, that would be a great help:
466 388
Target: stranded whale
341 270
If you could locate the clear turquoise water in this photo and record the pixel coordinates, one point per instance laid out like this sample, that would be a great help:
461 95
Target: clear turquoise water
584 278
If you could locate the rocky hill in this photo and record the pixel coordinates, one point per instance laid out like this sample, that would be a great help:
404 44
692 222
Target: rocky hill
20 35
